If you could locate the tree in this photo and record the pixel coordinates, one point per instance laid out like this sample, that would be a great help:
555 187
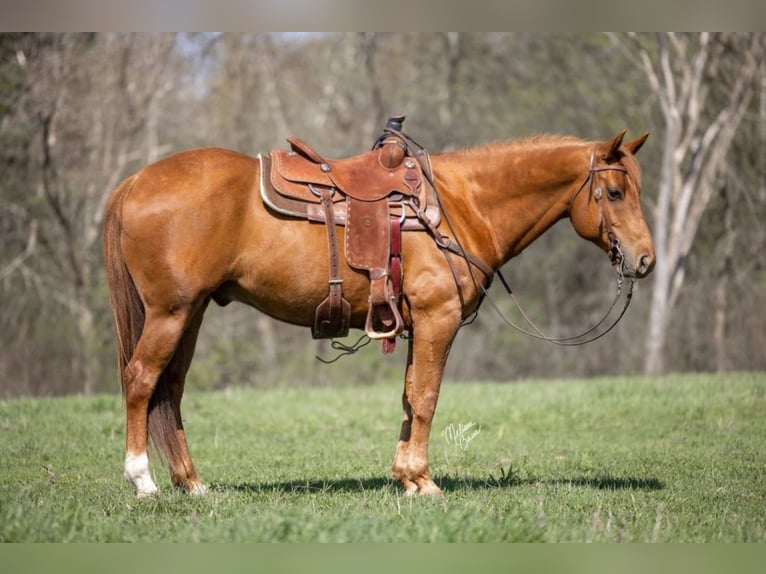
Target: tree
686 74
90 109
80 111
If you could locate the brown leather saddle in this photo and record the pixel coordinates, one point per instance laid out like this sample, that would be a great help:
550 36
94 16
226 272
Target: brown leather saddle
375 195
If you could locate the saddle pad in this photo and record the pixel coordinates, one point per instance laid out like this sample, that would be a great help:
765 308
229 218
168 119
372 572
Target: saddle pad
282 203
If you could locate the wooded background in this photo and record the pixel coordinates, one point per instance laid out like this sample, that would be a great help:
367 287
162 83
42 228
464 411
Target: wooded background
79 112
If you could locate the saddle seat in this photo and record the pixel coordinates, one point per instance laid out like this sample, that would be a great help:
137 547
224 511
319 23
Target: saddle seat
375 196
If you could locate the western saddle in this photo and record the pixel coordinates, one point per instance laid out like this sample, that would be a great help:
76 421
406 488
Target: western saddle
376 195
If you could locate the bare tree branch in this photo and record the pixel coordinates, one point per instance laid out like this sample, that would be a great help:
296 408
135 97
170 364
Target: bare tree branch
29 250
693 156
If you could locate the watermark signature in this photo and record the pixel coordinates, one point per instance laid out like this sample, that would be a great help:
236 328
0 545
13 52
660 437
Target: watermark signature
461 435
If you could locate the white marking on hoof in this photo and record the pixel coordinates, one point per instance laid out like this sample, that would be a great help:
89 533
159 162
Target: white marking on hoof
146 492
432 491
137 474
435 496
198 489
410 489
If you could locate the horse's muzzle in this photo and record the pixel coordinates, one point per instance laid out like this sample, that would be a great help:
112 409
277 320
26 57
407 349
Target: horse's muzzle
641 268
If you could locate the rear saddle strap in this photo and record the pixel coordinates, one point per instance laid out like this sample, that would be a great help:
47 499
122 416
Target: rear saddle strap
332 317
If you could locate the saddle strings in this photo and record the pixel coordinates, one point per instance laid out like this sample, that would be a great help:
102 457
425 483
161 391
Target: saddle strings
344 349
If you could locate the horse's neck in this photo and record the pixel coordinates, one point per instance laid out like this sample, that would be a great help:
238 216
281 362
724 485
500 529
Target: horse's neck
511 192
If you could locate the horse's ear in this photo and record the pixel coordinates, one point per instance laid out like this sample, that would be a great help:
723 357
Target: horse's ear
635 145
611 147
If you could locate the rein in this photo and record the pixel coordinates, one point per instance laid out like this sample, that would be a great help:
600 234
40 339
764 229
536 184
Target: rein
570 341
615 256
448 245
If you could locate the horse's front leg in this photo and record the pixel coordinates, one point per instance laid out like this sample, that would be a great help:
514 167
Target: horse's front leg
428 349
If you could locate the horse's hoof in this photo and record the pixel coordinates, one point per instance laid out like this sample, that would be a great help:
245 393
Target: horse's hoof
432 491
146 492
197 489
410 488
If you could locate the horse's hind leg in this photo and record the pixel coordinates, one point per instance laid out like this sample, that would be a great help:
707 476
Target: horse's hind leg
182 471
156 346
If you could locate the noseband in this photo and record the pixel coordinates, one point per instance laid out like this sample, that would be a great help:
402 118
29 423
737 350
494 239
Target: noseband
615 253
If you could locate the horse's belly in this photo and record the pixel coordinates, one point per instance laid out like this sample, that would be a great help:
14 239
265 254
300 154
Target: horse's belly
287 276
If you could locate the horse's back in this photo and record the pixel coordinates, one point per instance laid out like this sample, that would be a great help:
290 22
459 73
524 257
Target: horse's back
194 186
194 175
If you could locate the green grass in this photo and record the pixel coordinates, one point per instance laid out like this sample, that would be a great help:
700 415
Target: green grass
673 459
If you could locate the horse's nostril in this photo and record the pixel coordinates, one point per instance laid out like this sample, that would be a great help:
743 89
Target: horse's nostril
644 264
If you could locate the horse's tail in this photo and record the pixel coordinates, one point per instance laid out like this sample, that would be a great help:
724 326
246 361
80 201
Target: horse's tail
128 312
129 315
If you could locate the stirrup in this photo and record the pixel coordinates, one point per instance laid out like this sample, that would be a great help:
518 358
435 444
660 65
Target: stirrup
398 323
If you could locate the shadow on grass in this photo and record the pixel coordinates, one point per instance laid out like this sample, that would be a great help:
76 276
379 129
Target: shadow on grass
446 483
615 483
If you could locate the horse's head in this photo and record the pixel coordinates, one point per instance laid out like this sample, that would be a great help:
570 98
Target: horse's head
606 209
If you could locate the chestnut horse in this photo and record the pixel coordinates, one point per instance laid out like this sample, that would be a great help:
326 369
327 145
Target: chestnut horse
192 227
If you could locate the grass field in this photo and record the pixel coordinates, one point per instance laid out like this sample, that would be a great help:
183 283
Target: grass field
672 459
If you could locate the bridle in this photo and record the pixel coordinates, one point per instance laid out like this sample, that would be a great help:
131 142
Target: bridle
454 246
615 256
615 253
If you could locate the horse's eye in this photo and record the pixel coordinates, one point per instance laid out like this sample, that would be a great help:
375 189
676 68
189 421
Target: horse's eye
615 193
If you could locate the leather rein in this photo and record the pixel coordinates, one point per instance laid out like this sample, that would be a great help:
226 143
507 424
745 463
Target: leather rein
454 246
615 256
